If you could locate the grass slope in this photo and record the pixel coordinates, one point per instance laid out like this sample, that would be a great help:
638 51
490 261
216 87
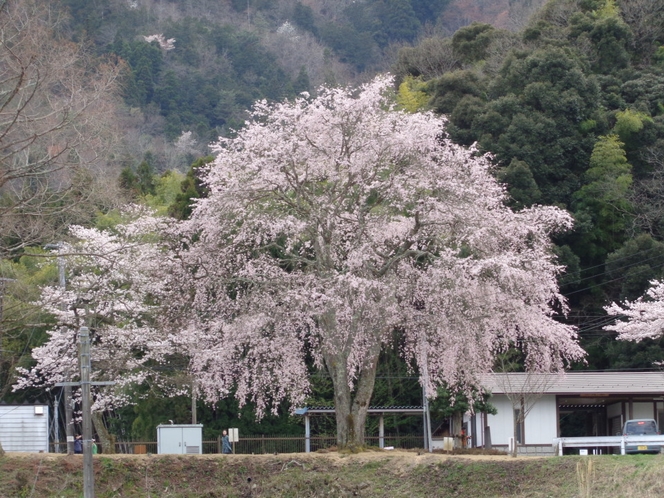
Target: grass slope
371 474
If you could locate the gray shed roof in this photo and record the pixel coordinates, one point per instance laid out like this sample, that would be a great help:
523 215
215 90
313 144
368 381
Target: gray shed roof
589 383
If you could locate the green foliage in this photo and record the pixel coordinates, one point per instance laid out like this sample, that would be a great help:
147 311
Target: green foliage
449 89
521 184
633 266
658 56
606 33
608 9
571 263
605 352
608 160
167 188
579 72
145 61
23 324
351 46
87 17
535 106
303 17
448 403
603 198
186 92
190 188
398 19
411 96
428 10
462 119
139 182
644 92
145 178
128 181
629 122
471 43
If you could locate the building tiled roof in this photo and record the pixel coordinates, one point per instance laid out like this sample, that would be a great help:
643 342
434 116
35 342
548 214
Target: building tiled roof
577 383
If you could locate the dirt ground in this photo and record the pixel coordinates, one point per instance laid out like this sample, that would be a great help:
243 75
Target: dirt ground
369 474
416 457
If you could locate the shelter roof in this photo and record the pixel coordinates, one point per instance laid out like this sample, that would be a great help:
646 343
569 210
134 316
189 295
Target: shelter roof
326 410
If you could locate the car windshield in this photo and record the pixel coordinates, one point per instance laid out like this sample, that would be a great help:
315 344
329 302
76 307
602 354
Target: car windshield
641 427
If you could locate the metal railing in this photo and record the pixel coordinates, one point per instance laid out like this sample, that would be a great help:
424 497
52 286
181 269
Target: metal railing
263 444
607 441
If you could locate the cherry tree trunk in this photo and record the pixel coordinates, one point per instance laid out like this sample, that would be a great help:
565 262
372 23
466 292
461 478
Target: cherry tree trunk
105 438
351 405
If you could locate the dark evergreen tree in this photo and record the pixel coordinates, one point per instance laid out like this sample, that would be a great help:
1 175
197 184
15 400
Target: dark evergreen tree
427 11
191 188
398 20
471 43
303 17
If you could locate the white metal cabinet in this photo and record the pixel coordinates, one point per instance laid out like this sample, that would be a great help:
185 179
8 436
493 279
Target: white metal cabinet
180 439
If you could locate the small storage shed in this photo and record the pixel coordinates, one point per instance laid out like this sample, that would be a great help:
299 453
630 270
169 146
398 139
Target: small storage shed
24 428
179 439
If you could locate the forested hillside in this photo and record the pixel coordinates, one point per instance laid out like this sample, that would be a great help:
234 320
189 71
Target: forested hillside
572 110
227 54
567 96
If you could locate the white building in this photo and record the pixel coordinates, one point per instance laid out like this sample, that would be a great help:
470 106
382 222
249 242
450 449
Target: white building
24 428
565 405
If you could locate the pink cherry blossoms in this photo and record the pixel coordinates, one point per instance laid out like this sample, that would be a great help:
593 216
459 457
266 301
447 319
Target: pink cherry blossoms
113 284
644 317
164 44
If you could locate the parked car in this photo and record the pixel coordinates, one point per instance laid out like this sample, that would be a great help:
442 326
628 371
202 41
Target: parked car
641 427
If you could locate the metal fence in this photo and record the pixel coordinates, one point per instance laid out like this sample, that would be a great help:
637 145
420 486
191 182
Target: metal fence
262 444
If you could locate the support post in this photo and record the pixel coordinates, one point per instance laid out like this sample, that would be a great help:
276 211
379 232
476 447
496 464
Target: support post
381 431
69 420
487 437
307 434
88 475
622 445
193 401
56 424
69 407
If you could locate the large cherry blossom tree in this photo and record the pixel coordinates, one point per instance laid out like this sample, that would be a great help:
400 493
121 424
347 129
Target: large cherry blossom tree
333 222
640 319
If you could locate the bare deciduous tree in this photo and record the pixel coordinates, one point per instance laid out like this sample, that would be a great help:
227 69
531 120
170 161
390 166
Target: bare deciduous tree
523 389
432 58
647 196
56 103
646 20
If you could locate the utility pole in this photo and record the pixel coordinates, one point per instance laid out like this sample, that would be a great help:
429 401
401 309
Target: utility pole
88 472
86 402
3 288
69 407
3 284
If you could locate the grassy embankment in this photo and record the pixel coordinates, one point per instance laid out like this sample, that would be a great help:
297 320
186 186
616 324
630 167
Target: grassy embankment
369 474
